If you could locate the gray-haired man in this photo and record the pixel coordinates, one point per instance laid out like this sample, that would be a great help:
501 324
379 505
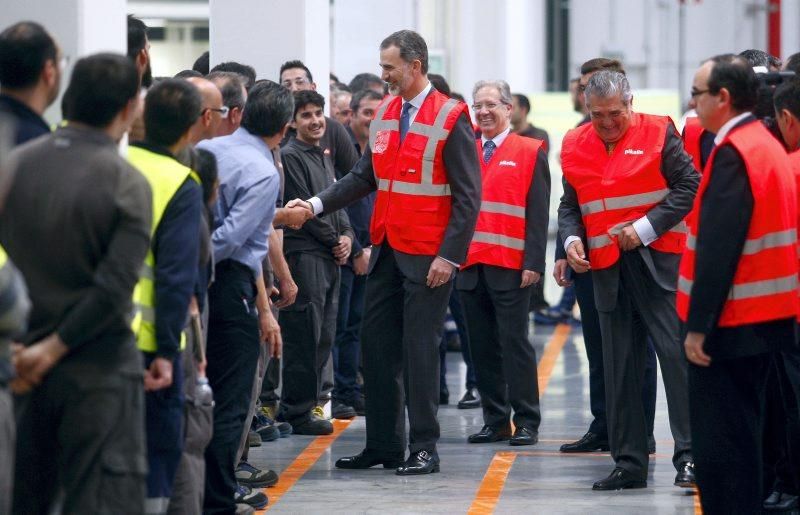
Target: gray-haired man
628 184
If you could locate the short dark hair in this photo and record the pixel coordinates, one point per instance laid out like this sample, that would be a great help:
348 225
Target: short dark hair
793 63
269 108
25 47
735 74
523 101
756 57
787 96
334 78
137 36
170 109
101 85
230 85
602 63
201 63
411 45
369 94
305 97
187 74
247 72
440 83
364 81
288 65
205 165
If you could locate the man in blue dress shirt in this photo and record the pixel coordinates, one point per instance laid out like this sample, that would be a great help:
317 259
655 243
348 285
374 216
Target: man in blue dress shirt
249 185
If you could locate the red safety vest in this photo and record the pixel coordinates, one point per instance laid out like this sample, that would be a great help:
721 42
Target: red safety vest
499 237
794 161
412 206
692 133
765 283
615 190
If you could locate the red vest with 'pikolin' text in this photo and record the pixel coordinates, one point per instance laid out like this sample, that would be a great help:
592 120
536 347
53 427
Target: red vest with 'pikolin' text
765 283
618 189
499 237
412 206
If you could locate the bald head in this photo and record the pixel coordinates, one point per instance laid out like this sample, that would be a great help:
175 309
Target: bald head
213 111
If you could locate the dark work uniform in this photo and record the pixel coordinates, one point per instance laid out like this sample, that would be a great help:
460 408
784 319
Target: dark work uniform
28 125
352 288
308 326
726 414
77 224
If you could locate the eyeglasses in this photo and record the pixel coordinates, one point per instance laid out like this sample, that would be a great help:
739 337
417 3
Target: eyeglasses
489 107
300 81
223 111
582 87
697 92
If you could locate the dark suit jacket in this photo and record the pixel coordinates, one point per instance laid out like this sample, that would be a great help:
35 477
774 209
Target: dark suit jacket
716 260
682 180
464 176
537 216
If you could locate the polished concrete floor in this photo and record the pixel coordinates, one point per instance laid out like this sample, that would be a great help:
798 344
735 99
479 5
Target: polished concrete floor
480 478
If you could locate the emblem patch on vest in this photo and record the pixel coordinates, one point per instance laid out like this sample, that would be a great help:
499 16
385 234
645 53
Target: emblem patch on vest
633 152
507 163
381 142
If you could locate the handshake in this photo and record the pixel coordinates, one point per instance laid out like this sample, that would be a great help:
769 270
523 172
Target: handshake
296 213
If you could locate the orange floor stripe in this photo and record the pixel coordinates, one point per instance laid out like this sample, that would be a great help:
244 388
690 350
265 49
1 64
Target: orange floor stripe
491 486
698 507
303 463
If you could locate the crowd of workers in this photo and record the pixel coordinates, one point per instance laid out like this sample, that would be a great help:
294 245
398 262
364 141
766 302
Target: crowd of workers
193 265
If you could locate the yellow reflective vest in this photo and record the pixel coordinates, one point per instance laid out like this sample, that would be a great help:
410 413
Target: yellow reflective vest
165 176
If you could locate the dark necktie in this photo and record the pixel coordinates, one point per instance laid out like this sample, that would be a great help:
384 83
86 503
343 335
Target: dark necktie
488 150
404 121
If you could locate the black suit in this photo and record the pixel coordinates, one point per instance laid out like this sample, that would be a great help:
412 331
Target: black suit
497 319
403 319
635 296
727 398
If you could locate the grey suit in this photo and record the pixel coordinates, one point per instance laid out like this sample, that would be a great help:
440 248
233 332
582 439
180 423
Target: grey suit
403 318
636 296
496 310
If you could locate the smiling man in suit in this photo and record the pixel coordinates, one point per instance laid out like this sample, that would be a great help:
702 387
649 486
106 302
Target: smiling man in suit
422 161
628 184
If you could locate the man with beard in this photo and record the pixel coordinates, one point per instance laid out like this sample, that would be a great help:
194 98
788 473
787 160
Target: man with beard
139 49
30 73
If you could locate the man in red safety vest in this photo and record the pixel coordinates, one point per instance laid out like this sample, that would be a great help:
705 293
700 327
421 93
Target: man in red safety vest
628 185
422 161
737 290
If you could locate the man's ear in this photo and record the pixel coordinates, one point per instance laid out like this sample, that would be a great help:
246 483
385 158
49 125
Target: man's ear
50 72
141 59
314 86
724 96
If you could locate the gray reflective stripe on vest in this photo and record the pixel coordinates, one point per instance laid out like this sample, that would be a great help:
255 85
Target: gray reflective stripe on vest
750 290
499 239
503 209
768 241
147 272
156 505
148 313
623 202
596 242
435 134
681 228
408 188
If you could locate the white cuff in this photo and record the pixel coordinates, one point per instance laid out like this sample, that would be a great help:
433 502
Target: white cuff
454 264
645 231
316 205
569 240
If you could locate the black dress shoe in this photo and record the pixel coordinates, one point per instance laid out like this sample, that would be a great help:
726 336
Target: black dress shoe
444 396
366 459
619 479
590 442
420 462
685 477
780 501
490 434
524 436
470 400
651 444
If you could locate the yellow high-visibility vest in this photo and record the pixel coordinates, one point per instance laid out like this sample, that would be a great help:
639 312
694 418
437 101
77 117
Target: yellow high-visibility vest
165 176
